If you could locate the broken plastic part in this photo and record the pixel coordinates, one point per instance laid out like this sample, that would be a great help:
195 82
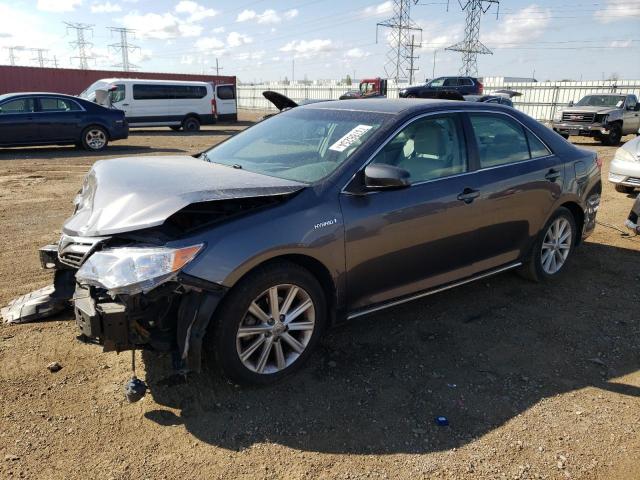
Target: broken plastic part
34 306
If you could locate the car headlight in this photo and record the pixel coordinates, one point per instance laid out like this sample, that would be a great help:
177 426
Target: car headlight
558 115
625 156
131 270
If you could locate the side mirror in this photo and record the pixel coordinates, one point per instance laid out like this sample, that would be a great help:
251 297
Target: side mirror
571 103
380 176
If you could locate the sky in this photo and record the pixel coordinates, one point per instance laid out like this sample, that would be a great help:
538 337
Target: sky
264 40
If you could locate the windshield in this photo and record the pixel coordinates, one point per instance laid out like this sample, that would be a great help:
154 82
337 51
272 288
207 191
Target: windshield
305 145
601 101
89 93
367 87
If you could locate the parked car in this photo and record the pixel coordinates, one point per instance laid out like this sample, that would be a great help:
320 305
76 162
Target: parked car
604 116
632 222
56 119
431 89
176 104
315 216
502 97
624 171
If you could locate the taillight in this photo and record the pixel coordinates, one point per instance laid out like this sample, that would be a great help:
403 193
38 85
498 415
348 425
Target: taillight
599 161
214 107
480 88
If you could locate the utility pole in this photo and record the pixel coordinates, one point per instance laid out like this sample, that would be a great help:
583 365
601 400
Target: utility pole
433 72
40 58
55 61
401 26
471 46
293 69
124 47
81 43
412 59
218 67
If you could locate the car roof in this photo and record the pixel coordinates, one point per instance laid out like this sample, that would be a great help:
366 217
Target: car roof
5 96
397 106
153 80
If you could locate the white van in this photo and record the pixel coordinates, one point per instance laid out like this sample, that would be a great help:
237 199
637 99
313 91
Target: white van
176 104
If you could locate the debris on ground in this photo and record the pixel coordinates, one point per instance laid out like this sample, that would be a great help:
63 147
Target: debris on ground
54 367
33 306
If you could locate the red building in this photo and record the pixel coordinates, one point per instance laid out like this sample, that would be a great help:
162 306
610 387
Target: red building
72 81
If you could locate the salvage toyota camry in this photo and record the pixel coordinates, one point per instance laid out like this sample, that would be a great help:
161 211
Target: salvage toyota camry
324 213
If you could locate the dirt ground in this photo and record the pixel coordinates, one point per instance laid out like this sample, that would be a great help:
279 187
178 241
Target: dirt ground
537 380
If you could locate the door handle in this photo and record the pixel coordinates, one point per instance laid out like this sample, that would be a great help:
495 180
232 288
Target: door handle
125 104
552 175
468 195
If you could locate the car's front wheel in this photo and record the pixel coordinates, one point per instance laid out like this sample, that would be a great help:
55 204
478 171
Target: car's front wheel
614 137
269 324
552 248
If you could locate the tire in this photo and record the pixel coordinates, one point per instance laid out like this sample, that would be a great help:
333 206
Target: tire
536 267
175 128
191 124
615 134
94 138
624 189
256 289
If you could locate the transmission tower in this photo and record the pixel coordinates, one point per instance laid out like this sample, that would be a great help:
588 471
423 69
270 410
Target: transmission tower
81 44
125 47
12 54
40 58
471 46
400 56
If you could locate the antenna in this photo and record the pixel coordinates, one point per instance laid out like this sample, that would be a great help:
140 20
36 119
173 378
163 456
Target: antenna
471 46
81 44
400 55
125 47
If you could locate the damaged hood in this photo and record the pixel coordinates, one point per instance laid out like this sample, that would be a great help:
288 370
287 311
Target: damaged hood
127 194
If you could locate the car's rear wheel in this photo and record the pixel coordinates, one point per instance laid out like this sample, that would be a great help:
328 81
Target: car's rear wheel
624 189
552 248
191 124
94 138
614 137
269 324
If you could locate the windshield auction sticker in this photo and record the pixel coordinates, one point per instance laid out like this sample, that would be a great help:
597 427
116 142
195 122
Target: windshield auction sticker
350 138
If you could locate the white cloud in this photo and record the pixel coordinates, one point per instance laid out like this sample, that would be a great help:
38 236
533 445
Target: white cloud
106 7
209 44
218 30
196 12
250 56
160 26
308 48
268 17
619 10
58 5
356 53
524 26
621 43
380 9
235 39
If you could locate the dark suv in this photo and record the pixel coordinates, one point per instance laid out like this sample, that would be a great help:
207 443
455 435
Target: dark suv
434 88
318 215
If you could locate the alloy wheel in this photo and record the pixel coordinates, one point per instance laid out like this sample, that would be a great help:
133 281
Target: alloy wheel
556 246
96 139
276 329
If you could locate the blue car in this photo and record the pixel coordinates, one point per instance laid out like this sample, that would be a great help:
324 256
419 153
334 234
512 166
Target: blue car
56 119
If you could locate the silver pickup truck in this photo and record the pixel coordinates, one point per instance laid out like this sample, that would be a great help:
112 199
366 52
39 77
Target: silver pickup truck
604 116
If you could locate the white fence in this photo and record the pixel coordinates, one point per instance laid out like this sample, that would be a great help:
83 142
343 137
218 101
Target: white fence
539 99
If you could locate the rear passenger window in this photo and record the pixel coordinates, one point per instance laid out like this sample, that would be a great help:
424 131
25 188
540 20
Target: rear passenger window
226 92
48 104
500 140
537 148
22 105
428 149
466 81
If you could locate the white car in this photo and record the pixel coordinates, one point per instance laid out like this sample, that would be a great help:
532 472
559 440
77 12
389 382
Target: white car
171 103
625 167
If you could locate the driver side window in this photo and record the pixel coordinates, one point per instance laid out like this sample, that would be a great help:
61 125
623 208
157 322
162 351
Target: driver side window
429 148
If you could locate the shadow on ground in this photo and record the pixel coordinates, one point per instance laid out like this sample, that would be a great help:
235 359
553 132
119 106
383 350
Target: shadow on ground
479 355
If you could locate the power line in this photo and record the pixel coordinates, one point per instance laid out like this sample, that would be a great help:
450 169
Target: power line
125 47
471 46
400 54
81 43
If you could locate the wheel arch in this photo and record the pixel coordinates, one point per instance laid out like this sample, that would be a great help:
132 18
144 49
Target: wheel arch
578 216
